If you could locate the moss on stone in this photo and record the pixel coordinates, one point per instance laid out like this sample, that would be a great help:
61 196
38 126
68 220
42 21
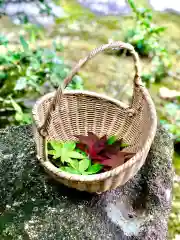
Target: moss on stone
34 207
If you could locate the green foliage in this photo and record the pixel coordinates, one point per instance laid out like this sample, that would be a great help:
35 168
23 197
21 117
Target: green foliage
64 151
20 116
3 40
112 140
75 14
171 119
174 220
83 165
145 36
95 168
176 161
27 73
105 154
70 159
34 32
24 44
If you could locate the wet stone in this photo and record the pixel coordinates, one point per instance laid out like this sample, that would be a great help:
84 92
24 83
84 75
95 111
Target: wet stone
34 207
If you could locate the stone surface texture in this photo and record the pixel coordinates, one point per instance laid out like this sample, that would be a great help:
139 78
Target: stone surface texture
34 207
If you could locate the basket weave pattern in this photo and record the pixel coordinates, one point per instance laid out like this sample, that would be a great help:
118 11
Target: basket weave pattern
62 114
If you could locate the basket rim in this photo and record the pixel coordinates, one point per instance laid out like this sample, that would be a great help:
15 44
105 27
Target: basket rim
102 176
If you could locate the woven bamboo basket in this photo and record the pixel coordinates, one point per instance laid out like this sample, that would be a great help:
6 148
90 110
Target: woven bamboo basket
62 114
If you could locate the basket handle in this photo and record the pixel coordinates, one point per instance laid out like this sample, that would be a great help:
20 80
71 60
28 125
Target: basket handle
57 97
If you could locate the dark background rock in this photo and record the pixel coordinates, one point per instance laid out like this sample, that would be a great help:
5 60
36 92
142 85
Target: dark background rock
34 207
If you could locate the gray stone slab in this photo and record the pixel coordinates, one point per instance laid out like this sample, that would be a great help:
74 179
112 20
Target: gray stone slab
34 207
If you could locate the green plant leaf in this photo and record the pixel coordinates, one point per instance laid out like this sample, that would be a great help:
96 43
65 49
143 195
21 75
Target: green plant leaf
69 170
19 112
111 140
27 119
95 168
64 155
58 153
84 164
81 152
74 164
76 155
16 106
18 117
24 43
159 29
3 75
124 145
65 151
58 46
3 40
77 79
21 83
132 4
55 144
69 145
51 152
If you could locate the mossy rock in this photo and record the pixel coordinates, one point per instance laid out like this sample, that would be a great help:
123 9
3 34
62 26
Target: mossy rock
34 207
